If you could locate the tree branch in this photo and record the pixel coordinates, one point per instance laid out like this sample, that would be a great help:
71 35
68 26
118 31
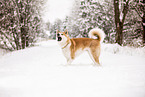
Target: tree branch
125 10
117 12
8 41
138 12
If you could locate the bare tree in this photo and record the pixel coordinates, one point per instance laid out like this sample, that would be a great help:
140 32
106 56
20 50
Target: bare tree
120 19
139 7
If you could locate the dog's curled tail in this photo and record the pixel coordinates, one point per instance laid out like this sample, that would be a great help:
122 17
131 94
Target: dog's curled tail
97 33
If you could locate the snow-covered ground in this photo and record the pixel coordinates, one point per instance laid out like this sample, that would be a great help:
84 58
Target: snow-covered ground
2 52
41 71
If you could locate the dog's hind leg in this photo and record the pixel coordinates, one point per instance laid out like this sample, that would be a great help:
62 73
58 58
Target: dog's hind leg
94 54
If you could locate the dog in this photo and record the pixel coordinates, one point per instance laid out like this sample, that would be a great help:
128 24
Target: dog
72 48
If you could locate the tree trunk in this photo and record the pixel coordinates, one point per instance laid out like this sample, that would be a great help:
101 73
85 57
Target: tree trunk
24 37
119 26
119 23
143 24
119 34
16 39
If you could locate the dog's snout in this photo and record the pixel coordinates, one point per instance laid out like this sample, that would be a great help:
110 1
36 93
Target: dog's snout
58 37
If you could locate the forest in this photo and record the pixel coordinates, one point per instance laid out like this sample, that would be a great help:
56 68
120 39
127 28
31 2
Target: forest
123 22
20 23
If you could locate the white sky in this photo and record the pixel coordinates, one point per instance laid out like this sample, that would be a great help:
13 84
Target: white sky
57 9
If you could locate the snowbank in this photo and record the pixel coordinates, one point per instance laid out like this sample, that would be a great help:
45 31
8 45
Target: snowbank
117 49
2 52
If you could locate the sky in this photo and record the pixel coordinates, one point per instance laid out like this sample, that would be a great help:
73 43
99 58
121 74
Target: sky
57 9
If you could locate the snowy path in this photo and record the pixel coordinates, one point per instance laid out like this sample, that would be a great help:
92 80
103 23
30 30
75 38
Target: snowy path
41 72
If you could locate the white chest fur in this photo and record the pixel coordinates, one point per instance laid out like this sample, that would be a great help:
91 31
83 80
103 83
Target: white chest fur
66 51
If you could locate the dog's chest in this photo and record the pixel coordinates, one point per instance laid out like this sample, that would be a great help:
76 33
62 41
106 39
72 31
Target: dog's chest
66 51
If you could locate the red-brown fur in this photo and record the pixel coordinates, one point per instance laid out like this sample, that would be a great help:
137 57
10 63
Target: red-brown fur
82 43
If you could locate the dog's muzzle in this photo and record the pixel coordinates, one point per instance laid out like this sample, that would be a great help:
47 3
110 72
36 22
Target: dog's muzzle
59 37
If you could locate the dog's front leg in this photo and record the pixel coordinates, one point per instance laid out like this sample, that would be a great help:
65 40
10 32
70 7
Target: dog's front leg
69 61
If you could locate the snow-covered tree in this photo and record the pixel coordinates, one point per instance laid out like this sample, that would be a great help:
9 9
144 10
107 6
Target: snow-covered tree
132 29
127 22
120 16
20 23
57 25
88 14
119 20
139 7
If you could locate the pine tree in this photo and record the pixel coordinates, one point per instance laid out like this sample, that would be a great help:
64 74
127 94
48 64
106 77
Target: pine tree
88 14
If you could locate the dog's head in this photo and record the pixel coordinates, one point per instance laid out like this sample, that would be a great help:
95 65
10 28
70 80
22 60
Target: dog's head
62 36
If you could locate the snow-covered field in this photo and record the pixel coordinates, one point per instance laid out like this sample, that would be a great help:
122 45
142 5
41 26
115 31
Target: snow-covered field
41 71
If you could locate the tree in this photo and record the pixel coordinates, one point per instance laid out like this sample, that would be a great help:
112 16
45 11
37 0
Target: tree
139 7
88 14
120 19
20 24
53 27
71 22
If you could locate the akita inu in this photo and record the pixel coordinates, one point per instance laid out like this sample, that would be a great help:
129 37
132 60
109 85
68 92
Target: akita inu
73 47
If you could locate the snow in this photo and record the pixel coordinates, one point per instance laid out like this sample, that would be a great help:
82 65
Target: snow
2 52
41 71
116 49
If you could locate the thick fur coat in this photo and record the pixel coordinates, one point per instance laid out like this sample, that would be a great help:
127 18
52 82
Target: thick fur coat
73 47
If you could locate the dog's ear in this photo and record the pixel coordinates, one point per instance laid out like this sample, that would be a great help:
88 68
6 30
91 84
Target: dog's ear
57 31
66 31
